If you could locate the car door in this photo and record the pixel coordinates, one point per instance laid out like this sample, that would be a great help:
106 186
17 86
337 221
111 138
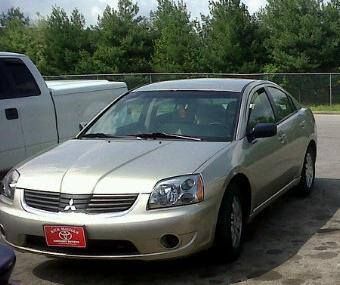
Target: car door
290 128
264 156
12 144
34 105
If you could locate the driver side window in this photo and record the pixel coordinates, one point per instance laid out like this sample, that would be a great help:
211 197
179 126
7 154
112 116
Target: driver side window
261 110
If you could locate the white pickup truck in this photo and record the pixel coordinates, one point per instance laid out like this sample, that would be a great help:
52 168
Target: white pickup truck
35 115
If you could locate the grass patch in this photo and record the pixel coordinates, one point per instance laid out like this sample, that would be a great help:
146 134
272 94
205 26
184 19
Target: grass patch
325 108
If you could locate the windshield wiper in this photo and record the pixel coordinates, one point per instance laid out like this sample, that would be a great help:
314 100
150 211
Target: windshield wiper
99 135
165 136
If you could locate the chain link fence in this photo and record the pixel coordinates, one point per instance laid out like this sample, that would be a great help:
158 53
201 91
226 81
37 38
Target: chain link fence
308 88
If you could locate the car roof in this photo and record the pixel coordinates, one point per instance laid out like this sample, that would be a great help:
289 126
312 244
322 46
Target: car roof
216 84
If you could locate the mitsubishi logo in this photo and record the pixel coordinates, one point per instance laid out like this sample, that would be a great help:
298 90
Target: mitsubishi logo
70 206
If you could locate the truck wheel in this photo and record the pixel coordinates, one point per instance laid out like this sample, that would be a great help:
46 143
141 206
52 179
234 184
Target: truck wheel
308 174
230 225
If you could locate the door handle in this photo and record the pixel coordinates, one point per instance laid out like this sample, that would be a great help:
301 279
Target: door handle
11 114
302 124
282 138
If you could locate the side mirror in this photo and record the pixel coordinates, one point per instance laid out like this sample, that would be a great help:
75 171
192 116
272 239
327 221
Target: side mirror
262 130
82 125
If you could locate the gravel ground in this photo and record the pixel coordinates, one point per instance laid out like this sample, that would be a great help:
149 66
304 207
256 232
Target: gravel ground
295 241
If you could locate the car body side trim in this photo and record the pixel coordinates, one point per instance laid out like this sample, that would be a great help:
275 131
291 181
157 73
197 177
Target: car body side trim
275 196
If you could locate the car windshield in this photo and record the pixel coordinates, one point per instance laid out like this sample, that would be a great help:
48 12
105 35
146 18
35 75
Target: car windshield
197 115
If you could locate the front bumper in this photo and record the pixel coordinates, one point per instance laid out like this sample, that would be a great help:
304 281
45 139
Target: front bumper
194 226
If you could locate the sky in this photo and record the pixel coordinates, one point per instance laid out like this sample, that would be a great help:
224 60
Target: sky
92 8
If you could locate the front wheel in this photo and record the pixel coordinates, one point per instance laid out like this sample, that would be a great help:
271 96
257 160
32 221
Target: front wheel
308 174
230 225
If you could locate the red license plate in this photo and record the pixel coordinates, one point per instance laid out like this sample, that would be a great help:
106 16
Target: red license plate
65 236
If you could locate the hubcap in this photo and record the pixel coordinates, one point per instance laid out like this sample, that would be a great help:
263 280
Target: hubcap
236 222
309 170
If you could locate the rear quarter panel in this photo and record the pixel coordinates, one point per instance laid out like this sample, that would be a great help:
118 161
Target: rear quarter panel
309 131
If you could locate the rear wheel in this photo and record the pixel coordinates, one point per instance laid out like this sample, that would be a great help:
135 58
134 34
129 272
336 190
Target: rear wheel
308 174
230 225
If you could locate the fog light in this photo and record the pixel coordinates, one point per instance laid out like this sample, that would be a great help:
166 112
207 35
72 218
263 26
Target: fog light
169 241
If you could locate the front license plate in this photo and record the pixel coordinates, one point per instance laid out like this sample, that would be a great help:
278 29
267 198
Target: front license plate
65 236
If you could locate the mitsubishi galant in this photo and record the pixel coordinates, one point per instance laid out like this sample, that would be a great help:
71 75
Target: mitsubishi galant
165 171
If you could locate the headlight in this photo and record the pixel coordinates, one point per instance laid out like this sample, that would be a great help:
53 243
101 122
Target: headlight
9 184
178 191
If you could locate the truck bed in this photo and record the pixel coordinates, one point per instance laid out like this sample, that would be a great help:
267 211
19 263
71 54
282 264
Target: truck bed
36 115
75 101
62 87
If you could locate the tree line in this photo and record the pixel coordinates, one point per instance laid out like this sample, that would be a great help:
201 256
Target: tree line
284 36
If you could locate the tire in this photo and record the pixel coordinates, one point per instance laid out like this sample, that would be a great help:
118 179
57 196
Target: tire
307 175
230 225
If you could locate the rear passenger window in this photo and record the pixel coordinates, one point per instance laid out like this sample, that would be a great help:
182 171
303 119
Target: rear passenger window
261 110
282 102
21 79
3 87
296 104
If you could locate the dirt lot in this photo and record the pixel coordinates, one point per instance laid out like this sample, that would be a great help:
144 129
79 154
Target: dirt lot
296 241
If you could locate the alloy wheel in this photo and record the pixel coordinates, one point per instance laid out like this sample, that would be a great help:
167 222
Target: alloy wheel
309 170
236 222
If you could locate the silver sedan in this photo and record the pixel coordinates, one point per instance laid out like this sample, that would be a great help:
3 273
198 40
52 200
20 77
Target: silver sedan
165 171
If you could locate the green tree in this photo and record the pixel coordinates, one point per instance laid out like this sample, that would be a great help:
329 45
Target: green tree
230 38
35 45
13 14
330 52
13 31
294 35
176 46
65 40
18 34
125 43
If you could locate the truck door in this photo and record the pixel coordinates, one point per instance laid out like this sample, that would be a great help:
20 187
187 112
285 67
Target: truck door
32 103
12 145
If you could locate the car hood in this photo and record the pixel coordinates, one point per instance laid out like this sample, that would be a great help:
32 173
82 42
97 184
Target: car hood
116 166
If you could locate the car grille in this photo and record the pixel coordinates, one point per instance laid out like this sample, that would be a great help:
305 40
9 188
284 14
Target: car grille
91 204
